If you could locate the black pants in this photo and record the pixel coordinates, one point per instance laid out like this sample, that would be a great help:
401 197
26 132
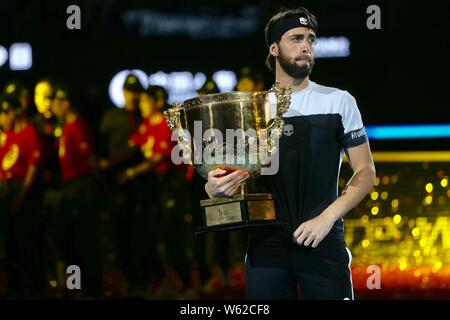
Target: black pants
306 273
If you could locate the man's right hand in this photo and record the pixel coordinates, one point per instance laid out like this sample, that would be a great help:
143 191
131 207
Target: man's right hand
222 185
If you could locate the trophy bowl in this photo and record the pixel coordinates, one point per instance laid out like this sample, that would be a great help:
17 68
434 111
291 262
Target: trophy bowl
231 131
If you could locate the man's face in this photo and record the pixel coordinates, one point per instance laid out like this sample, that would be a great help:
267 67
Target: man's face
131 99
42 93
295 52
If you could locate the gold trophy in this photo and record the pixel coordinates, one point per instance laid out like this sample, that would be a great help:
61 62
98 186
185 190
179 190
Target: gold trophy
232 131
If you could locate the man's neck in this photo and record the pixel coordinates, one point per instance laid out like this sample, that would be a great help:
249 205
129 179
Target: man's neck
287 81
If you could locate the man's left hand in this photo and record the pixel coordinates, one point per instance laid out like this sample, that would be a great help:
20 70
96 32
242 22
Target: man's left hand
313 231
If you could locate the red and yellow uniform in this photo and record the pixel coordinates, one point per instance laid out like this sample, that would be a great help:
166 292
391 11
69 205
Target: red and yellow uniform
76 146
19 150
3 139
153 138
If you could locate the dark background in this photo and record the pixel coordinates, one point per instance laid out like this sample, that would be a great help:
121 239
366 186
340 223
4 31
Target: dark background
398 74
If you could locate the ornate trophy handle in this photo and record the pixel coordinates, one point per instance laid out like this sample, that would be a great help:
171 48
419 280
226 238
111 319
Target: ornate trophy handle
275 129
173 119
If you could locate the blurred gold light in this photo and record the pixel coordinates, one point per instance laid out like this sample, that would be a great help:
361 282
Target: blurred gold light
444 182
429 187
57 132
403 263
365 219
188 218
374 211
210 85
53 283
394 178
377 181
415 232
397 219
384 195
374 196
170 203
386 180
428 200
416 253
378 232
417 273
423 242
365 243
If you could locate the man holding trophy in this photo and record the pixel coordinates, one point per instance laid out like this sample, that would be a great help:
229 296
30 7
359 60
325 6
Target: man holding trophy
296 246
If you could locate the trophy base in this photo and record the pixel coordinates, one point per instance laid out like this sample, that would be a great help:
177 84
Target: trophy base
238 212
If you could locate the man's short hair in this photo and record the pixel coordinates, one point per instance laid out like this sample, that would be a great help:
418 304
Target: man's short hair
283 15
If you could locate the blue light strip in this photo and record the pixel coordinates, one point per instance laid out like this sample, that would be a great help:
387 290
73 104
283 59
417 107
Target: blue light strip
408 131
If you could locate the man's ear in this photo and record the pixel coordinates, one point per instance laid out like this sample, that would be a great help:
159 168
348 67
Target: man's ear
273 49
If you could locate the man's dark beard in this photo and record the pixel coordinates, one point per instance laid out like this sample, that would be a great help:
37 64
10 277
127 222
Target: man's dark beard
293 69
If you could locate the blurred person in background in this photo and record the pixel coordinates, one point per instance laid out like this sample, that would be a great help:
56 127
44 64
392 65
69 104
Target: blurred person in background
49 130
161 98
21 243
118 124
164 195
